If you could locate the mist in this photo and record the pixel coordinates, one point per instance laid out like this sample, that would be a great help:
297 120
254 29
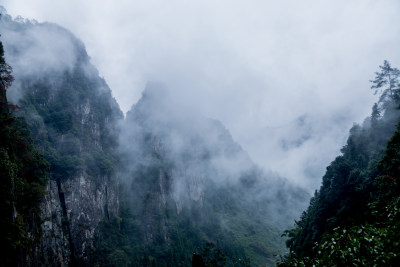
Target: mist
287 79
172 151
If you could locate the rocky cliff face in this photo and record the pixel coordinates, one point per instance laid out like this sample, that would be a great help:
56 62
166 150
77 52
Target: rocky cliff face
71 213
72 117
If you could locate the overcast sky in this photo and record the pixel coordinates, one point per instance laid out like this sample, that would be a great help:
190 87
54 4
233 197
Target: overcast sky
287 78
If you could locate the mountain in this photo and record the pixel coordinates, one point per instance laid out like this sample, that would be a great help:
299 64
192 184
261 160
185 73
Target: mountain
147 190
188 182
71 116
353 218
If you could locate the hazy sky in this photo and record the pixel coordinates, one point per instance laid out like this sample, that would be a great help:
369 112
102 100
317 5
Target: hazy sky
287 78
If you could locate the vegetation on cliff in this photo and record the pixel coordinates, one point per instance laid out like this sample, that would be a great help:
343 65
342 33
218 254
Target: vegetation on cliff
354 217
23 179
71 116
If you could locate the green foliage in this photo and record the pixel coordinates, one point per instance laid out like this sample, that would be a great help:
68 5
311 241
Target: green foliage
121 239
69 116
216 257
149 235
369 244
165 238
63 166
390 165
22 187
6 78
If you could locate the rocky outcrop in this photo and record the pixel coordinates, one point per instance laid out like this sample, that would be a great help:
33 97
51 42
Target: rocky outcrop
55 246
71 213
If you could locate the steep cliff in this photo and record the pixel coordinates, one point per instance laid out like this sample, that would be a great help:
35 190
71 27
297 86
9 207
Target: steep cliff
71 115
23 178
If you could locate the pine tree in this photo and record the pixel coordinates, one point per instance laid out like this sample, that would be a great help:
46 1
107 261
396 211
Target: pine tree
386 81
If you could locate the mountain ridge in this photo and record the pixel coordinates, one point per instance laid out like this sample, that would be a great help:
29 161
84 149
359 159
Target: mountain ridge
150 189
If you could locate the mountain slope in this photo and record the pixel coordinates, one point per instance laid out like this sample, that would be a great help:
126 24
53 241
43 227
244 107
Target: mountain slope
72 116
354 202
187 182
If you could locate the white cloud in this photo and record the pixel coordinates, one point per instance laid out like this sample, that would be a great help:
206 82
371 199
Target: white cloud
255 65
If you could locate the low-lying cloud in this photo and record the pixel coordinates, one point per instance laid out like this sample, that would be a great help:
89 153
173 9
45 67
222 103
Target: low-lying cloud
287 78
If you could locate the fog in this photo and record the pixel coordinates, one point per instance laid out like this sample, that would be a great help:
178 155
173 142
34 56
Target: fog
172 150
287 79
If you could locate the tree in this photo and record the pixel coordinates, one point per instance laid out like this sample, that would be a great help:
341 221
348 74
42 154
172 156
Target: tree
5 71
375 115
386 81
5 81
